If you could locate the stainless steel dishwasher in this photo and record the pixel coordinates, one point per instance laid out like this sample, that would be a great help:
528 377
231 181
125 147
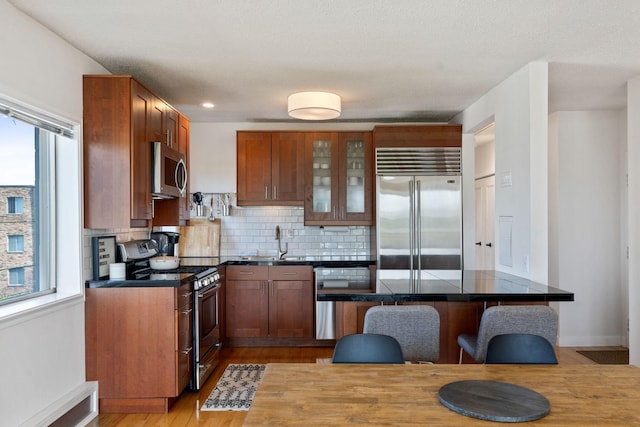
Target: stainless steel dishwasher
340 280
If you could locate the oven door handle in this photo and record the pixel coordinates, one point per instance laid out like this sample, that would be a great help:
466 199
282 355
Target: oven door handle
208 291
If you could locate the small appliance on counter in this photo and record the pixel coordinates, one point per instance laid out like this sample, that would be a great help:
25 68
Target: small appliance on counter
168 242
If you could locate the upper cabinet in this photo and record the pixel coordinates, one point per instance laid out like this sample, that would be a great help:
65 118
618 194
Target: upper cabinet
418 136
338 178
270 168
120 120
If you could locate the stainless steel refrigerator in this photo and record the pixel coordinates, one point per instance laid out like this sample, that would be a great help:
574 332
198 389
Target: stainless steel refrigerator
419 209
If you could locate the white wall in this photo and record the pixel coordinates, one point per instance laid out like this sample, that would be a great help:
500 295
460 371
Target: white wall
633 160
519 108
585 219
468 203
42 352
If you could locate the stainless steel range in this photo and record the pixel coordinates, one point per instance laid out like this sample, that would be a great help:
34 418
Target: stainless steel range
206 326
206 280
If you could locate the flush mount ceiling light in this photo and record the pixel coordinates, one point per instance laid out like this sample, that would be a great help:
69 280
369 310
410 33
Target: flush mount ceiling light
314 105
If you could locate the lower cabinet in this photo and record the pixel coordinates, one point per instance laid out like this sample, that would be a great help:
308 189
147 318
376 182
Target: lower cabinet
269 302
139 346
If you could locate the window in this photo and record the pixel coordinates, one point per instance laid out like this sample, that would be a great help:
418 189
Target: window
16 243
16 277
15 205
28 142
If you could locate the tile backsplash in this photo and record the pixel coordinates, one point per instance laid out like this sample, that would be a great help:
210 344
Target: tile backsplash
251 231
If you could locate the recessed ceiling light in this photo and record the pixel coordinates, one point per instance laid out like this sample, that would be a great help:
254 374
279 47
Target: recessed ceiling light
208 105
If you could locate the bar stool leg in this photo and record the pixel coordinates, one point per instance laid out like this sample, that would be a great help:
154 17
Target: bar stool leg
460 360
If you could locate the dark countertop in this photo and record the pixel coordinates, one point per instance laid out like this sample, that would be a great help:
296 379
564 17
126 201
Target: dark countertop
176 279
390 285
163 280
453 286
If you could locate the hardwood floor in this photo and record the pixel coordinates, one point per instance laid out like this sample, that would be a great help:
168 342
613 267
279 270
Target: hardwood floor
186 411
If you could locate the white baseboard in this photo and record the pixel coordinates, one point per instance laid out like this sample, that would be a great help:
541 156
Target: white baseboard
53 412
592 341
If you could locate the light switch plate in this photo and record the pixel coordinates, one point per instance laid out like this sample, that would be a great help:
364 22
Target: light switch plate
505 179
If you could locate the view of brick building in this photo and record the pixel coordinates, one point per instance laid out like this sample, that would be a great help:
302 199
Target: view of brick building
17 240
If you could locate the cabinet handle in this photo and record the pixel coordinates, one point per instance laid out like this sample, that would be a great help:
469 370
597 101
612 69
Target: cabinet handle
246 273
478 243
187 351
188 311
289 274
275 194
266 192
488 244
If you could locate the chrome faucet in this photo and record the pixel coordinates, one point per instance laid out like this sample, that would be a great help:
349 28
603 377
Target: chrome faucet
281 253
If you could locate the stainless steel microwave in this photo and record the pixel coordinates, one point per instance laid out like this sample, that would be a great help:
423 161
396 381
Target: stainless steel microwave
169 172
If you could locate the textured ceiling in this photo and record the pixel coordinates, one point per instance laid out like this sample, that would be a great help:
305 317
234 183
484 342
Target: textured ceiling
400 60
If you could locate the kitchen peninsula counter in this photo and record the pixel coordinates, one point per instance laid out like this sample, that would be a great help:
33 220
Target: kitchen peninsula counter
460 297
393 286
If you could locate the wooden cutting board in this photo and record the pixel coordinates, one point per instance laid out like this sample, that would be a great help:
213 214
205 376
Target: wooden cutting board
200 238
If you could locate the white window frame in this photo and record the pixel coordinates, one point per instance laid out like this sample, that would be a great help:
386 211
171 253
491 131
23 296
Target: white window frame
66 269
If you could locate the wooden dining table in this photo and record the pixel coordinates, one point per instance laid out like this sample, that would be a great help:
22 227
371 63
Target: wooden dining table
307 394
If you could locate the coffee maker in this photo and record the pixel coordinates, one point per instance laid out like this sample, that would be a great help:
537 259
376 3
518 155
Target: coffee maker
167 242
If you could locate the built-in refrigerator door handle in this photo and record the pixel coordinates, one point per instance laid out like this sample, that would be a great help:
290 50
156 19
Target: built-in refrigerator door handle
412 243
419 229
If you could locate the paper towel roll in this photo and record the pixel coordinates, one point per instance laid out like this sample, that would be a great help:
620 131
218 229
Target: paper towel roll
117 271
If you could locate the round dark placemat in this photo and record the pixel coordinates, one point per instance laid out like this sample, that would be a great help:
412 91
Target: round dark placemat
494 401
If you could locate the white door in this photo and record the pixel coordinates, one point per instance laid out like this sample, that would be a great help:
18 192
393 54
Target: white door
485 190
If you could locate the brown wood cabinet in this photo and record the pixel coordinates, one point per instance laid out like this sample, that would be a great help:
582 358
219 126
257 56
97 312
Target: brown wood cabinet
115 117
269 301
139 346
120 120
417 136
270 168
338 178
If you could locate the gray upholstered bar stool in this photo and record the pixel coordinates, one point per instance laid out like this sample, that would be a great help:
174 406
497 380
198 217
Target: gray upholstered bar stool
510 319
416 327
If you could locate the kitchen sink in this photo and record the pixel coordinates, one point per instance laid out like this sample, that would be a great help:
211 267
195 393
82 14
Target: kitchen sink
272 258
294 258
258 258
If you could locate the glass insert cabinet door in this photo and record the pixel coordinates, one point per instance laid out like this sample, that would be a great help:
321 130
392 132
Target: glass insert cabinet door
322 179
338 178
355 176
